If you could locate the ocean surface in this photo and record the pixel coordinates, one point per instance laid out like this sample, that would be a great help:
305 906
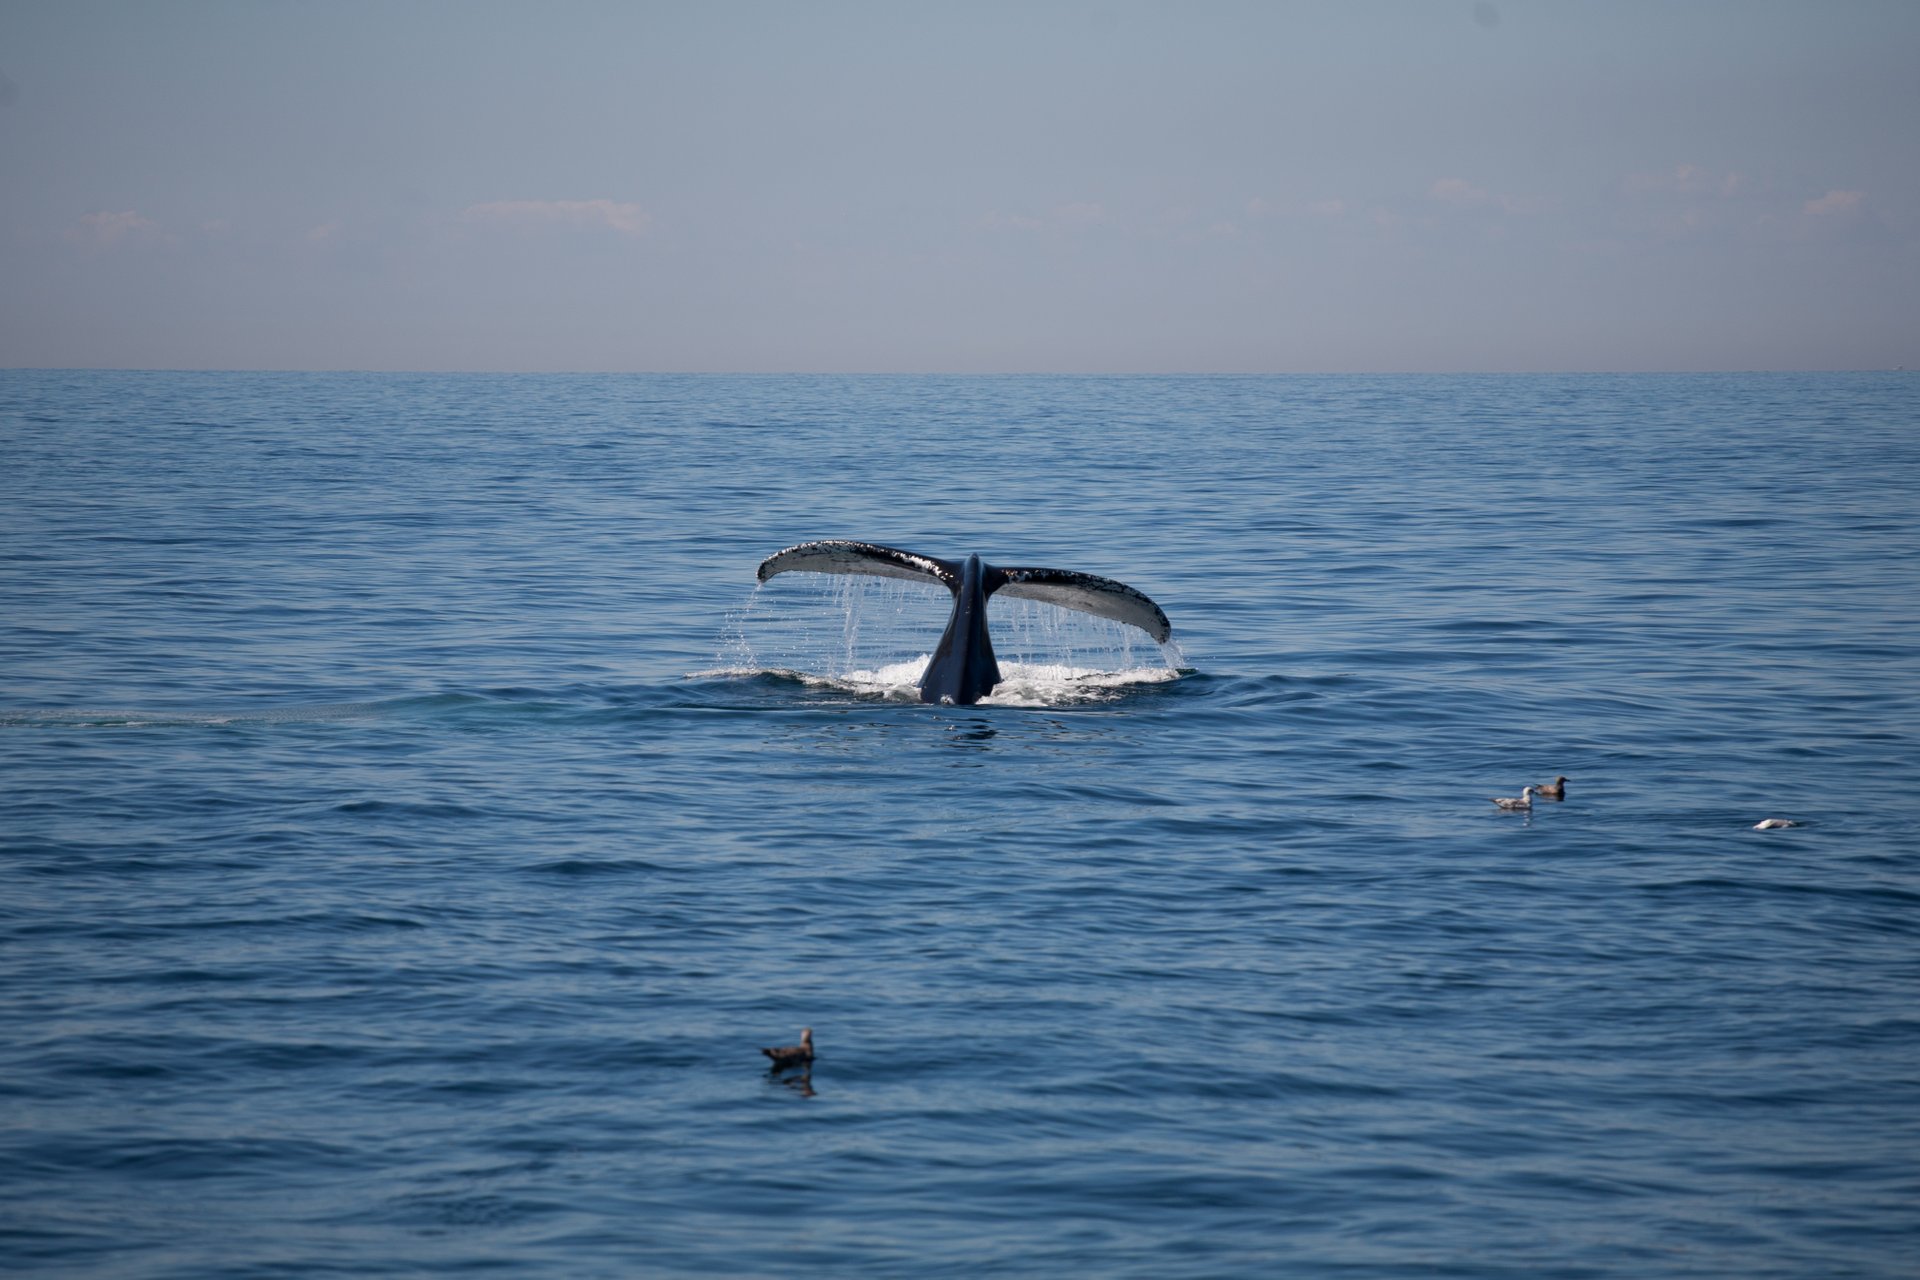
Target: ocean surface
414 819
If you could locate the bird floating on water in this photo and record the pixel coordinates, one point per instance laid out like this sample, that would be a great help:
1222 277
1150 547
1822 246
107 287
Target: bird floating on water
1555 790
1773 824
1522 801
793 1055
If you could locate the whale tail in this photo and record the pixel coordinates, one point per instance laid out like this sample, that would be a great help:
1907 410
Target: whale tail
963 669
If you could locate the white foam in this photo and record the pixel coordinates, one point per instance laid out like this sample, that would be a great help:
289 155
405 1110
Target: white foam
1051 684
1021 684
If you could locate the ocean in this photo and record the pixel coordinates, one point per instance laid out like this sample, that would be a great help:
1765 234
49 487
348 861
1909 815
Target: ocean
414 819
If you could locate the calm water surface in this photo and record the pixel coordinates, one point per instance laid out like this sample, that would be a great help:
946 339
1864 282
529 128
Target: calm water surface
411 826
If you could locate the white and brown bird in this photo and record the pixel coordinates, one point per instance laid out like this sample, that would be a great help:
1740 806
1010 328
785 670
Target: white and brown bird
1774 824
1555 790
793 1055
1522 801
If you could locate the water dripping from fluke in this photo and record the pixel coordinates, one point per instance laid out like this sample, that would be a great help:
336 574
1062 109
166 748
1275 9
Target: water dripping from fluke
872 637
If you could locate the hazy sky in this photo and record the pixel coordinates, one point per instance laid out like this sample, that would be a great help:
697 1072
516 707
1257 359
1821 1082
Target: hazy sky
964 186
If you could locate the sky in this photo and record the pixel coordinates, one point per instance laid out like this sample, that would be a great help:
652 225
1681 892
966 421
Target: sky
1081 186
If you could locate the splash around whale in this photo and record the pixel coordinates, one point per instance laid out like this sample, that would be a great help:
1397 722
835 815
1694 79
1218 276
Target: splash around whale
963 668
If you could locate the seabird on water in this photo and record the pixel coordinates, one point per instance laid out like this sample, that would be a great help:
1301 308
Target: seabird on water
793 1055
1773 824
1523 801
1555 790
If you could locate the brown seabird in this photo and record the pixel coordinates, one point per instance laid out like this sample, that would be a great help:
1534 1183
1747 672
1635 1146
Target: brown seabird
793 1055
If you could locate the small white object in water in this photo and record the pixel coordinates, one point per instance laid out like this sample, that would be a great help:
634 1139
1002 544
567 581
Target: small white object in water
1523 801
1773 824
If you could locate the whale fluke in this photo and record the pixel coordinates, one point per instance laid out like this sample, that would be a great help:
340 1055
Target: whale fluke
1089 593
963 669
838 556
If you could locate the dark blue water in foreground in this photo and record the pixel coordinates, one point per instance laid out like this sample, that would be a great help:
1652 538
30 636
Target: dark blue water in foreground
381 893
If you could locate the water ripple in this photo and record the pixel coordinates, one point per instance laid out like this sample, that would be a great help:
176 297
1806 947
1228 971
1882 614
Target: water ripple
414 822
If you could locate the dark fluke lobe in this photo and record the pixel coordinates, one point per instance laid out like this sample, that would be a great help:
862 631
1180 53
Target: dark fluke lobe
793 1055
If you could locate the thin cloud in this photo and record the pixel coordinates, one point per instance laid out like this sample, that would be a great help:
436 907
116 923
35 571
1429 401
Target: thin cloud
1261 207
1462 194
110 228
1082 213
1011 222
1457 191
1689 180
612 215
1835 202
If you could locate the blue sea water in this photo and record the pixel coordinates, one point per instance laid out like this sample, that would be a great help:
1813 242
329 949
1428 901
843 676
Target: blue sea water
413 820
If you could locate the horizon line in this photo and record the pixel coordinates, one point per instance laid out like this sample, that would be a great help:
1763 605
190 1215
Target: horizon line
960 373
